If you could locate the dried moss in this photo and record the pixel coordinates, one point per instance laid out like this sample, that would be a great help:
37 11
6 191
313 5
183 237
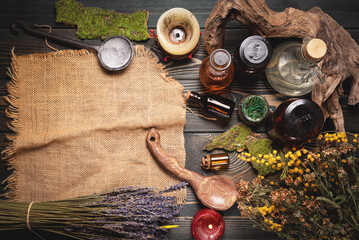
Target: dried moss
239 138
258 146
94 23
231 140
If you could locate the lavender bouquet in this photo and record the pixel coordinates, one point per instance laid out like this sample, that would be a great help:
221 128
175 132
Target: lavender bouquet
133 213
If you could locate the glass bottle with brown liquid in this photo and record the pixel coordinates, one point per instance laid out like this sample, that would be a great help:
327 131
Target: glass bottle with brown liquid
215 161
212 105
295 121
217 71
252 55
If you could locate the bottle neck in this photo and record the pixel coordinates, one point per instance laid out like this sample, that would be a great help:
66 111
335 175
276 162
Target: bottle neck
220 59
313 50
193 97
303 56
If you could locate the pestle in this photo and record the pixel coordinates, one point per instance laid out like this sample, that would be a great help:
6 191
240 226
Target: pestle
215 192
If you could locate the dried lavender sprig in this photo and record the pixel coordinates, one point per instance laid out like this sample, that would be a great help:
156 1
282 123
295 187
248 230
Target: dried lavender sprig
130 212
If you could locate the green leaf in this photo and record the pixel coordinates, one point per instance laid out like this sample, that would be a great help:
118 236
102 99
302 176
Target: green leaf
284 172
297 214
332 205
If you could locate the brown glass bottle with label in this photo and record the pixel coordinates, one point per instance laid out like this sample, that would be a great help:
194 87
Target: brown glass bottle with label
217 71
212 105
295 121
252 55
216 162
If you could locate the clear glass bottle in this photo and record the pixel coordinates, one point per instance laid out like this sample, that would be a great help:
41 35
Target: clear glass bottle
252 55
217 71
253 110
293 69
295 121
215 161
212 105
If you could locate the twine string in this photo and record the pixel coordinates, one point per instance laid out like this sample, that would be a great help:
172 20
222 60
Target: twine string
28 220
199 115
50 29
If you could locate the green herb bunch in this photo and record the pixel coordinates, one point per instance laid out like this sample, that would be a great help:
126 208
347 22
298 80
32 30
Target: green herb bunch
317 196
255 107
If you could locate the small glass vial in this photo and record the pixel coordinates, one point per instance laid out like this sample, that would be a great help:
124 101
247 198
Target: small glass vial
253 110
295 121
215 161
252 55
213 105
217 71
293 69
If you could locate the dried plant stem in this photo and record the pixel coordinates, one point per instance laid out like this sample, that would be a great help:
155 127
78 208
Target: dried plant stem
136 213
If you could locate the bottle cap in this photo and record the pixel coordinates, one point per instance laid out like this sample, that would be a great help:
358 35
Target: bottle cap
255 51
315 49
192 96
220 59
303 119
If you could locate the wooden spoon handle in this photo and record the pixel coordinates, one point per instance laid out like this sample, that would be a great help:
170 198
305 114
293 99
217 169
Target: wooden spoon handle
169 162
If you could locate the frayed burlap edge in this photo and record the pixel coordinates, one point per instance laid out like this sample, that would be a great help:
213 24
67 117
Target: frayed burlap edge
12 110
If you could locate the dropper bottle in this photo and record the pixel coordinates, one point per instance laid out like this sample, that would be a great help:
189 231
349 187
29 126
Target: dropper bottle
212 105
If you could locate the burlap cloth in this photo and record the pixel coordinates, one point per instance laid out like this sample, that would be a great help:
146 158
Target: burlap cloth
82 130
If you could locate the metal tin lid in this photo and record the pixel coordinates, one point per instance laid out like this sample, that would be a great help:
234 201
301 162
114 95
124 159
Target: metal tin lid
220 59
115 53
255 51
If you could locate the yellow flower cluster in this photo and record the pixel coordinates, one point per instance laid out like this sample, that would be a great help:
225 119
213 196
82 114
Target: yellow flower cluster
334 137
266 210
272 159
274 226
295 161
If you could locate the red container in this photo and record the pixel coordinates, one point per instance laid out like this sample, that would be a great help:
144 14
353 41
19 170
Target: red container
207 224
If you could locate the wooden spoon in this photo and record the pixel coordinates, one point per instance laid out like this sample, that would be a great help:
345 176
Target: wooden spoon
216 192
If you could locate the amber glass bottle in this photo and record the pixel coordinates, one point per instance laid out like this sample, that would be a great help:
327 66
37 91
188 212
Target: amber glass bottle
217 71
295 121
252 55
215 161
212 105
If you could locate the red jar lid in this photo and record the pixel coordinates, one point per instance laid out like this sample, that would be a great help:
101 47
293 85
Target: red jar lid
207 224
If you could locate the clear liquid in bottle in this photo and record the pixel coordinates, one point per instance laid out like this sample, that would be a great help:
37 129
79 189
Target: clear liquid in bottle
293 69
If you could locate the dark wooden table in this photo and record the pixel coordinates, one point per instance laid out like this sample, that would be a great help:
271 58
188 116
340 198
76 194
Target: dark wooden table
198 131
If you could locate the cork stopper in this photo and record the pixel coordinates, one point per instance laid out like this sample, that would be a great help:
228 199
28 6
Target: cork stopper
206 163
188 95
314 50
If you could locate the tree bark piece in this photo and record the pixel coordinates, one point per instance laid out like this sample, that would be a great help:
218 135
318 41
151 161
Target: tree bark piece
340 62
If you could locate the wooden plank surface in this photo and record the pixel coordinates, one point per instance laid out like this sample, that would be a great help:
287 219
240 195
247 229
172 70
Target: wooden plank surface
198 131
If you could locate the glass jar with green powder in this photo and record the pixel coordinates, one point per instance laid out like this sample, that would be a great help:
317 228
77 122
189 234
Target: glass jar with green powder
253 110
